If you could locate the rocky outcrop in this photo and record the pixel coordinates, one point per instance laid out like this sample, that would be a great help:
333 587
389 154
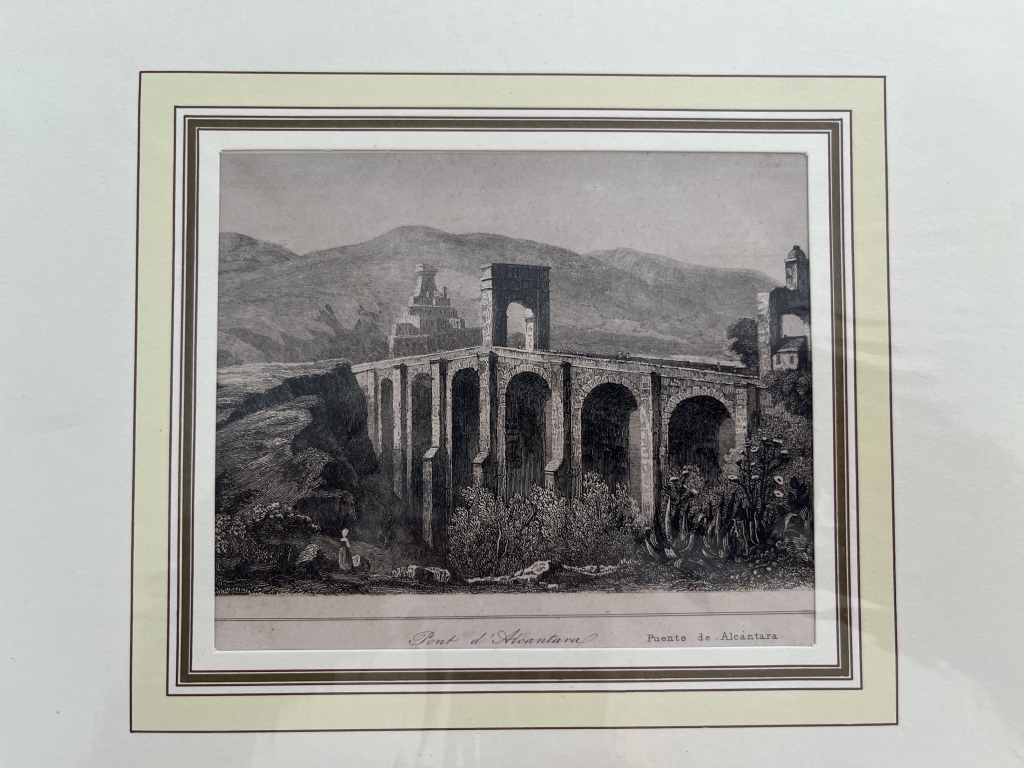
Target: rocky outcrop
298 441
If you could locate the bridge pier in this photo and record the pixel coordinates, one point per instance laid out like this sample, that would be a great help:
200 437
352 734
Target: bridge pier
400 409
372 392
483 462
650 447
437 461
576 447
554 469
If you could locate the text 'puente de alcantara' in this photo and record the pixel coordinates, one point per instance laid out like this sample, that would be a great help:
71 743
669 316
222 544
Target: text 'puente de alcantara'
494 406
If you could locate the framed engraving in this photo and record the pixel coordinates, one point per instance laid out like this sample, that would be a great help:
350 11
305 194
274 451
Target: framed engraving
464 397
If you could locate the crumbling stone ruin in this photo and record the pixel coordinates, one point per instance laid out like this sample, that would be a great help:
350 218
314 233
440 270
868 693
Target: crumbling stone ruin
430 323
784 319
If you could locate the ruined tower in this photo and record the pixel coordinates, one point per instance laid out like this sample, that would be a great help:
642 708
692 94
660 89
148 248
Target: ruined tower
784 317
431 323
798 271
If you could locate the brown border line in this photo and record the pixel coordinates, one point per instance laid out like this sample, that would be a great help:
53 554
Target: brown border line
456 108
837 235
135 413
565 75
194 125
892 425
514 616
534 728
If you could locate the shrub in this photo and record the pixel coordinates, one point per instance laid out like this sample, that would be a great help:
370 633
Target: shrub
792 390
601 527
261 535
767 488
489 536
797 473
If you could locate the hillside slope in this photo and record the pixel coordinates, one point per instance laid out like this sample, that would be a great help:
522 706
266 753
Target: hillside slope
277 306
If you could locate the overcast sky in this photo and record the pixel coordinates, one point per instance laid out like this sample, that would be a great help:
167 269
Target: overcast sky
721 209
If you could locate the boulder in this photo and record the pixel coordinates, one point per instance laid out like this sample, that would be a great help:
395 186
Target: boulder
440 575
409 572
540 571
307 556
593 570
427 575
314 560
489 580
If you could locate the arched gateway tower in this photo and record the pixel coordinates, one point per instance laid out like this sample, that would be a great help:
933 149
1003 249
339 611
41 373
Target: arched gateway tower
504 284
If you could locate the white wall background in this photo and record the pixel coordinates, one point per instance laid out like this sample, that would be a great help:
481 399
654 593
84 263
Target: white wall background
67 216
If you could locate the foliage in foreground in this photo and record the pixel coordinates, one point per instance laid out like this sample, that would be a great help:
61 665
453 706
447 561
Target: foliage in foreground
270 536
792 391
489 536
762 505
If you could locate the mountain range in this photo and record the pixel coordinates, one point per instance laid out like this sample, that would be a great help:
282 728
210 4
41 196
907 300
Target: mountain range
279 306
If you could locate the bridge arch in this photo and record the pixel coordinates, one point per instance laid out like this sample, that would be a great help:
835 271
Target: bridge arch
696 390
586 381
506 373
456 366
610 432
527 421
699 431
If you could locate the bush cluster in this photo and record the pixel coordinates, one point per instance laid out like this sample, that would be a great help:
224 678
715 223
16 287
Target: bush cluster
490 536
792 390
268 535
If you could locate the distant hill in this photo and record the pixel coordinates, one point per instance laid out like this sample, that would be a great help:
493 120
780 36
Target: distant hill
278 306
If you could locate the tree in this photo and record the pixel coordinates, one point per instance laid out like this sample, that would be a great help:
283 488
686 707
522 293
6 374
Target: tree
744 341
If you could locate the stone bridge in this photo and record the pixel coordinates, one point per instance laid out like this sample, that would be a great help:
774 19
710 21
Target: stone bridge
509 418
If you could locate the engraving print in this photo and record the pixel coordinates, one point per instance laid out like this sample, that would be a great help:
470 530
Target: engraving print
452 373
